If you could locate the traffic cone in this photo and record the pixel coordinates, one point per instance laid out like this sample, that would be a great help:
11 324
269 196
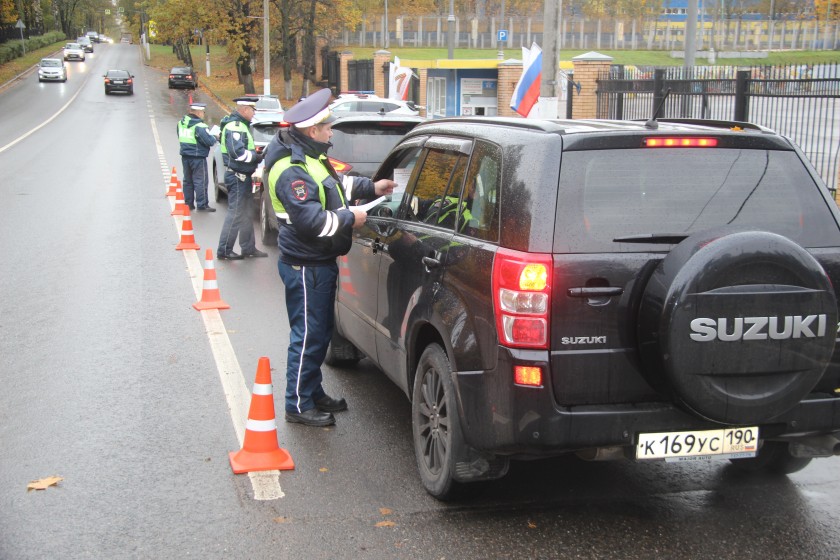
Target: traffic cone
174 183
181 208
260 452
210 297
187 235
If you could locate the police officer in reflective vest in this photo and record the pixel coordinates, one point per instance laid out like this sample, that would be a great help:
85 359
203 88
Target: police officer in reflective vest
196 142
241 160
311 202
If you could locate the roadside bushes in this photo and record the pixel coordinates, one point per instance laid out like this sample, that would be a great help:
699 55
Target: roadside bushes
14 49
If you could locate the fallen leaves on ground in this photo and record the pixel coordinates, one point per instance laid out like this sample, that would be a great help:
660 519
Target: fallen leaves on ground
282 519
44 483
324 469
531 524
385 524
386 511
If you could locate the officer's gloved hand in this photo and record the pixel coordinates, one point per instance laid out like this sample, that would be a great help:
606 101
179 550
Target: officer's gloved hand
260 156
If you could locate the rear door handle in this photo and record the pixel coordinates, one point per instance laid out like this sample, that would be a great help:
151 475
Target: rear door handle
595 292
377 246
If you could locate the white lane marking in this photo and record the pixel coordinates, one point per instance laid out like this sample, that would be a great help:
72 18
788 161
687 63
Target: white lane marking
266 484
48 121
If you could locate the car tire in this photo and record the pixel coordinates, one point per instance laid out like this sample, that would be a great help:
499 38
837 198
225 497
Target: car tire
268 235
217 187
131 91
107 92
341 352
436 428
723 273
774 457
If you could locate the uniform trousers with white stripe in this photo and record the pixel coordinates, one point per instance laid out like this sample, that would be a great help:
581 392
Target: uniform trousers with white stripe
310 301
195 181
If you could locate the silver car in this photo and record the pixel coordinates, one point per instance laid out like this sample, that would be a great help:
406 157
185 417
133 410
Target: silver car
74 51
52 70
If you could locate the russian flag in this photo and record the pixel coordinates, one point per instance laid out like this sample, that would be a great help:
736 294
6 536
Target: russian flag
526 94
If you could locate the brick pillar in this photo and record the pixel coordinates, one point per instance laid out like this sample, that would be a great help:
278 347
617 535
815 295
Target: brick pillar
423 74
380 86
509 73
344 79
587 68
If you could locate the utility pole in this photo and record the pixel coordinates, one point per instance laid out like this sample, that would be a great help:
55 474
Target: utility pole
501 53
551 55
451 33
690 34
266 53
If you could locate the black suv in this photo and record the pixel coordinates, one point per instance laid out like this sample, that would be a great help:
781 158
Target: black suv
651 291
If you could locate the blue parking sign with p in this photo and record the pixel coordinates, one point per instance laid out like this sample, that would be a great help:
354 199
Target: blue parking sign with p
502 35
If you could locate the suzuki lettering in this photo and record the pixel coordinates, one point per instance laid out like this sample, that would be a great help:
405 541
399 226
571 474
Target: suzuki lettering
758 328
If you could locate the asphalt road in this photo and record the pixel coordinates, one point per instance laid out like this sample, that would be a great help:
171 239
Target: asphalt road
111 380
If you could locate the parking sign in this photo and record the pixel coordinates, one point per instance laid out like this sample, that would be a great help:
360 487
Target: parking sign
502 35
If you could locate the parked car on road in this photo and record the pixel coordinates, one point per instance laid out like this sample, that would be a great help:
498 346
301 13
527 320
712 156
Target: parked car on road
360 142
661 291
52 70
73 51
268 107
182 77
119 80
361 103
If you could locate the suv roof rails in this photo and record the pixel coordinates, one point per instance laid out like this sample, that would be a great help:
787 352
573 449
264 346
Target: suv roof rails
530 124
729 125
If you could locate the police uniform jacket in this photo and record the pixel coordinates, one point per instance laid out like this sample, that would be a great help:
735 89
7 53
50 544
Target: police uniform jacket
194 138
240 155
313 234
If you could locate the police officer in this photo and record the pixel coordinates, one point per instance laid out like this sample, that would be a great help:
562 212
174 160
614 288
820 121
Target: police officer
241 160
196 142
311 202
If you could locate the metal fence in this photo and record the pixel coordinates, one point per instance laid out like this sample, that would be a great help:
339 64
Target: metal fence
801 102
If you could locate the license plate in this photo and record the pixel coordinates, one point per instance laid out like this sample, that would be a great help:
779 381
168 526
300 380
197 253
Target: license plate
118 82
727 443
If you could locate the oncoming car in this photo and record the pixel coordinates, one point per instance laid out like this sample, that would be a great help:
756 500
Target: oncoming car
74 51
86 43
52 70
119 80
615 290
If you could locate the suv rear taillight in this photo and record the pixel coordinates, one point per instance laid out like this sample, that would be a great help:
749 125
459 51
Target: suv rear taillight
522 298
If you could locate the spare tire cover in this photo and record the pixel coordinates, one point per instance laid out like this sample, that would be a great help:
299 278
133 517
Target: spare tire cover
737 326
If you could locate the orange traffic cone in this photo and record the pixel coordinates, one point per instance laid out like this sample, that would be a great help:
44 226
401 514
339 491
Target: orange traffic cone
187 235
174 182
210 297
260 451
181 208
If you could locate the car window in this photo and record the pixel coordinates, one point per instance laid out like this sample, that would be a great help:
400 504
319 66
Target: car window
442 173
478 215
51 63
264 132
268 104
366 141
606 194
181 70
342 107
399 167
117 74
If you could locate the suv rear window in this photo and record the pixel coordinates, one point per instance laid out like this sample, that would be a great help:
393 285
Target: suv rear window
367 141
606 194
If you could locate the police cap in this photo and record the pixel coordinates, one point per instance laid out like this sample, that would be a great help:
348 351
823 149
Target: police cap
246 101
198 106
311 110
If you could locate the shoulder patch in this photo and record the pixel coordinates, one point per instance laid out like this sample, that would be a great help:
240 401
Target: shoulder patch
236 136
299 189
